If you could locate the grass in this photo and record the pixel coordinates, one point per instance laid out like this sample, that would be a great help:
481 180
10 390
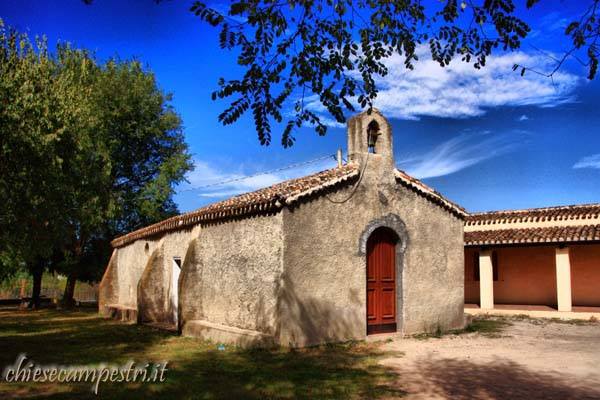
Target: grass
196 369
491 328
487 327
541 321
575 321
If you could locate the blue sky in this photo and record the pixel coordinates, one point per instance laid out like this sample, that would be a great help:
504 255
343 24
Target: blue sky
486 139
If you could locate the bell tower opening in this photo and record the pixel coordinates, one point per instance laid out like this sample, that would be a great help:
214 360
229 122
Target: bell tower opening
372 134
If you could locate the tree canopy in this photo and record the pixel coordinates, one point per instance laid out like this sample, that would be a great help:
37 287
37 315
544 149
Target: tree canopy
333 51
88 151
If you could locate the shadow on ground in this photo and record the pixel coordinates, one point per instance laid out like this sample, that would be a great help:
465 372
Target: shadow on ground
79 337
196 369
199 370
501 379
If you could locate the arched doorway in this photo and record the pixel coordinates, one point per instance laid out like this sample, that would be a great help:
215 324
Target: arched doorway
381 281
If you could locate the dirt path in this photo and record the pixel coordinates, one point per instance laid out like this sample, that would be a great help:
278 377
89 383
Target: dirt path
531 360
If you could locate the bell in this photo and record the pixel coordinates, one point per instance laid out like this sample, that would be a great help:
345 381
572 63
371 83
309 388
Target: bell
372 133
372 138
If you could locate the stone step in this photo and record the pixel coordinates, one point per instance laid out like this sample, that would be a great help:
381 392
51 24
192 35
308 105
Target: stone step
227 334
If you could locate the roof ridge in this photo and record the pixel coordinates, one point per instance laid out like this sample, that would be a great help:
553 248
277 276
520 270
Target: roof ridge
273 198
524 235
525 210
536 215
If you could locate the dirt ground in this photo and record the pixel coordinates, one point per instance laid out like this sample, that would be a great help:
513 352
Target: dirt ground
528 359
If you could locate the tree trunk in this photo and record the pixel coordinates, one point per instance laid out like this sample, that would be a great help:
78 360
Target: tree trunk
68 301
36 274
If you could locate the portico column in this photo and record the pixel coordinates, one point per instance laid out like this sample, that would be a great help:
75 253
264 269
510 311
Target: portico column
486 280
563 279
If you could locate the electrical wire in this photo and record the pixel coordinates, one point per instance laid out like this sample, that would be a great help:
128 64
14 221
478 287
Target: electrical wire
241 178
353 190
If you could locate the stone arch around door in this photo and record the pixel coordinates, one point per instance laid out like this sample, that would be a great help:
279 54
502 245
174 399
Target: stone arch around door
393 223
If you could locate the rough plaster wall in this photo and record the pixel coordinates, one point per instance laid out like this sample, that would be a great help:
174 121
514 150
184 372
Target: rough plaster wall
323 296
132 260
174 245
231 274
108 290
153 290
434 270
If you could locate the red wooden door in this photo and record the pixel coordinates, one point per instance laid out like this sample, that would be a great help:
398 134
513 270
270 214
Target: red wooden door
381 282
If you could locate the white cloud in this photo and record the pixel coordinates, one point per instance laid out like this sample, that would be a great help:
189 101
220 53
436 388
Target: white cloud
523 117
461 152
554 21
461 91
218 180
210 180
592 161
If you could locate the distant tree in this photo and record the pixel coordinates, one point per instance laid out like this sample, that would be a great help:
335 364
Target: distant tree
144 144
145 141
86 165
36 144
87 152
332 52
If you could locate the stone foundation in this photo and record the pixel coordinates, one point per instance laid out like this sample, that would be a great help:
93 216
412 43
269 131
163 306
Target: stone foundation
227 334
121 313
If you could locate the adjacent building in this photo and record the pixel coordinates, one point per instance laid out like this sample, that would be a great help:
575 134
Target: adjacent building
537 257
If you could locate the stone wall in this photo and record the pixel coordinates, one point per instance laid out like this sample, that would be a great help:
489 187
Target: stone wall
323 295
174 245
231 274
142 271
131 261
153 290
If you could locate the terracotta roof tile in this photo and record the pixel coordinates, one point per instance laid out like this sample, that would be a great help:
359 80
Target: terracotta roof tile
553 234
273 198
561 213
268 199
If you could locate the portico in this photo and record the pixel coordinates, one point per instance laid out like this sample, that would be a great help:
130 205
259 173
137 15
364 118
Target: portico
539 257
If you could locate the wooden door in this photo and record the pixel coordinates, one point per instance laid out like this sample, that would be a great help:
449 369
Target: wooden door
381 282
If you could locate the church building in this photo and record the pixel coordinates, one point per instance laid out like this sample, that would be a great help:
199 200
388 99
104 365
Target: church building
359 249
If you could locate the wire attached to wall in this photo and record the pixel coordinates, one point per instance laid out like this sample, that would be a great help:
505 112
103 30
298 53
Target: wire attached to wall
353 191
241 178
